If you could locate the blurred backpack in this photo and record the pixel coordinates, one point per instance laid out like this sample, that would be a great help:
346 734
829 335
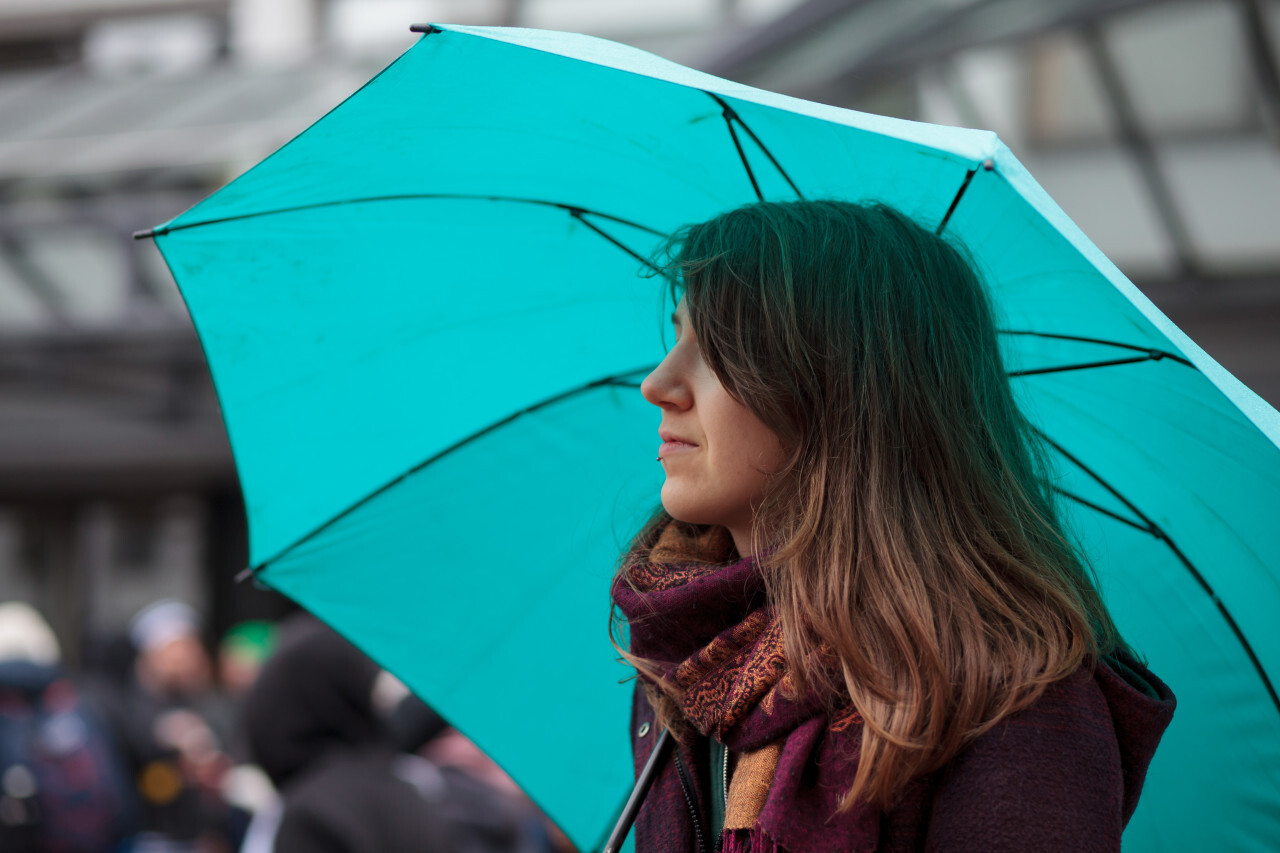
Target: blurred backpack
62 787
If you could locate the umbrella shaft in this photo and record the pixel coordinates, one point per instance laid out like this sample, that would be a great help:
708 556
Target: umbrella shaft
661 751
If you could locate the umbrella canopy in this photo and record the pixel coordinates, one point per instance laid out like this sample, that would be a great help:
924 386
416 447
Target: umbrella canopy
426 318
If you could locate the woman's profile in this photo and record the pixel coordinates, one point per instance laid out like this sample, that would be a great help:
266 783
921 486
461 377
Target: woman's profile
858 609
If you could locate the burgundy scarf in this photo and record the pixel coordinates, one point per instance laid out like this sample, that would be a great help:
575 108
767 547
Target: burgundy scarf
1076 758
699 613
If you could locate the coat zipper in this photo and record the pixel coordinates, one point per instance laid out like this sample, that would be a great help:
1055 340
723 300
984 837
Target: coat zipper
724 788
686 786
725 783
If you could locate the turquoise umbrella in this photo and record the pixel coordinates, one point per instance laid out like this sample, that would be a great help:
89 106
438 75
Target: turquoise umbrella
426 318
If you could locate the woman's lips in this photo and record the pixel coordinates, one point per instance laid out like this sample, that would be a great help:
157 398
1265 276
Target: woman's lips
669 447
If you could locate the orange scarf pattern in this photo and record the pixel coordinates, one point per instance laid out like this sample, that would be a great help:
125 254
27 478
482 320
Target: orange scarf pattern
742 667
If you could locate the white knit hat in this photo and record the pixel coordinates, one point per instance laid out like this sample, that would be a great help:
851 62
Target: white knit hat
25 636
162 621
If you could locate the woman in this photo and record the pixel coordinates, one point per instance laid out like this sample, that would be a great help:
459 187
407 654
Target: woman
858 609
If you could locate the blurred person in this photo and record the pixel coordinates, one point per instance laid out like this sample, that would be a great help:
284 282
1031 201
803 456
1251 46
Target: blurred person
243 650
344 787
241 653
107 657
490 812
63 786
172 664
175 756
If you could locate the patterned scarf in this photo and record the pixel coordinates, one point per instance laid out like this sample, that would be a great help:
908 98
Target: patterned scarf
699 613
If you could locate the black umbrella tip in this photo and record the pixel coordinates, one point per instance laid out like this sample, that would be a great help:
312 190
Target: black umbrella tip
253 574
144 234
426 29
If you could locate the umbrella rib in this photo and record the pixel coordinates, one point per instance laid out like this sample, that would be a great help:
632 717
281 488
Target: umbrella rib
1097 478
1150 527
742 155
987 165
730 115
1063 368
781 171
1222 608
1097 508
578 214
1151 353
623 380
570 208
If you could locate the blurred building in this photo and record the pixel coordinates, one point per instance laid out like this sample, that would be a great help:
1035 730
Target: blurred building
1156 125
116 480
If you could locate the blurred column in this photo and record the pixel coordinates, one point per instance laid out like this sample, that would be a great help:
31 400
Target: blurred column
273 32
94 546
55 530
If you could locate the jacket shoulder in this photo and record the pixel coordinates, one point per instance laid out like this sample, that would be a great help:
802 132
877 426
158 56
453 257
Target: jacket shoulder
1062 774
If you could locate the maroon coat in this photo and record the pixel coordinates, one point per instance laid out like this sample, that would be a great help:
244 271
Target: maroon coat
1062 775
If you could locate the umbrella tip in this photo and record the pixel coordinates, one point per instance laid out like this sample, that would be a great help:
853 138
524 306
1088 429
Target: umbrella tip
144 234
426 29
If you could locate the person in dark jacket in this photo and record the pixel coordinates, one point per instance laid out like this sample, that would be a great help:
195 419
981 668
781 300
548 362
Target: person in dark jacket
311 726
63 782
857 609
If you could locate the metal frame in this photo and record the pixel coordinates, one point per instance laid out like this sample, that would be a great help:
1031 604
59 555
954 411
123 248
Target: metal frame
933 39
1137 142
1263 63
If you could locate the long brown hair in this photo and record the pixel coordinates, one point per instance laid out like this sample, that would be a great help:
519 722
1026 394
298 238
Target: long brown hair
912 538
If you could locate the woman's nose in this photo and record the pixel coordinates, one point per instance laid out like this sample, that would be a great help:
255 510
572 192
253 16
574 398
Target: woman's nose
664 387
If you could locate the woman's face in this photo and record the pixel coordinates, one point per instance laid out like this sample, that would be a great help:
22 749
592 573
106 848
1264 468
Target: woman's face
717 454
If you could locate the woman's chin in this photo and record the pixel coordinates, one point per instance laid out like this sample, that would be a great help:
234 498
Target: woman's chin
682 508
